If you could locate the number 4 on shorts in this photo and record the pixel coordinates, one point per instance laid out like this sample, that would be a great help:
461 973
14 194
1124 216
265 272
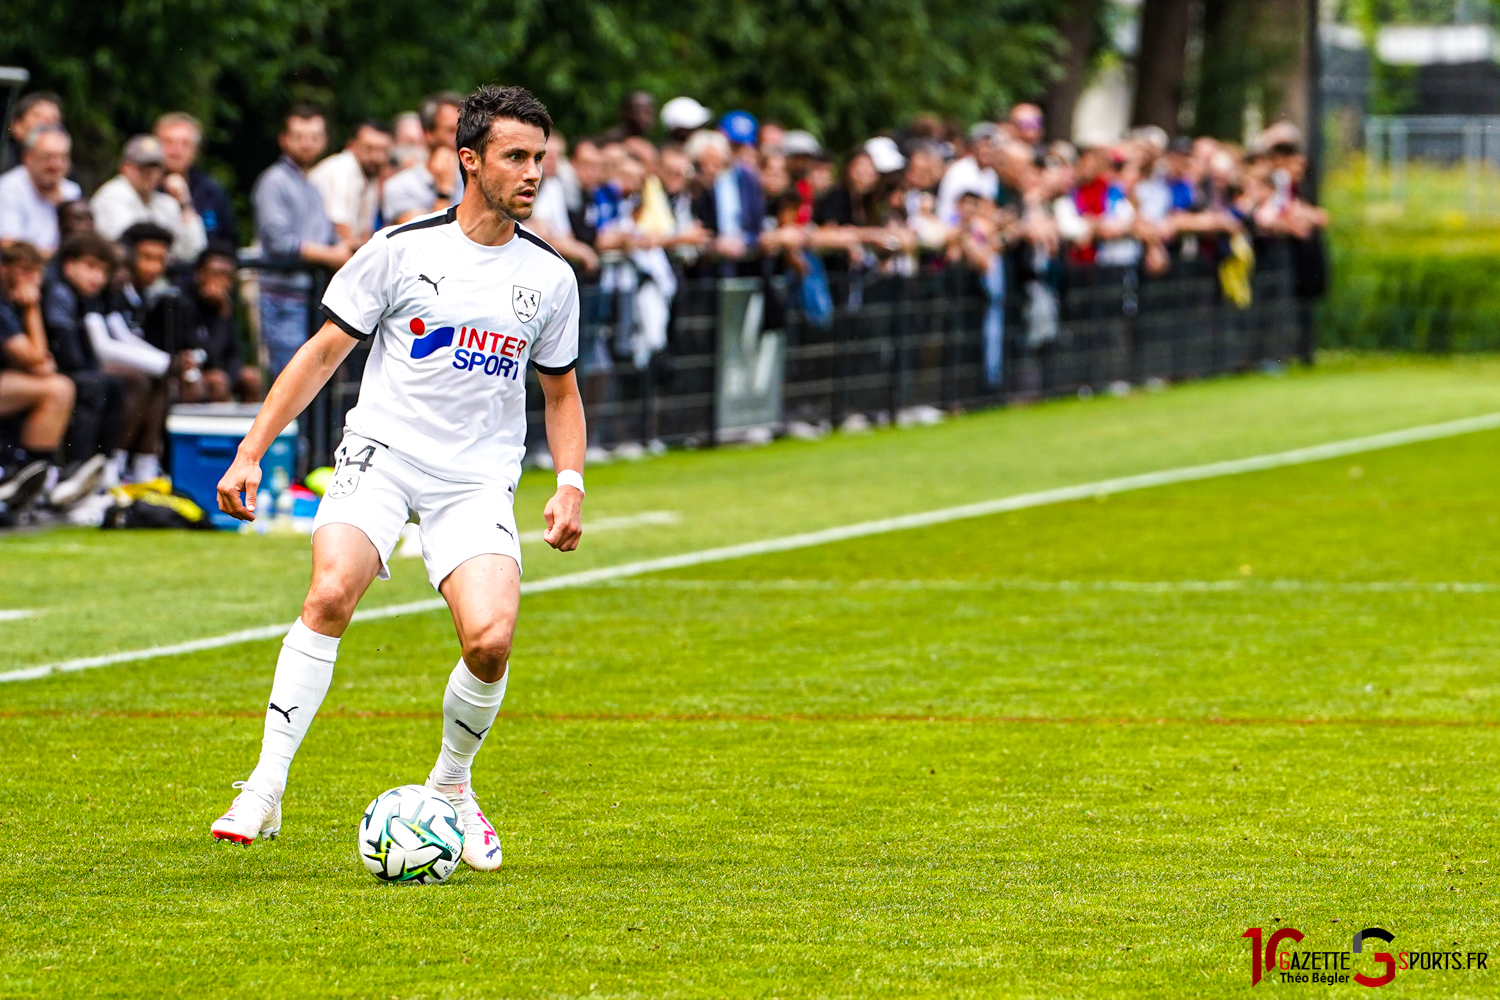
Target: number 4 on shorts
362 460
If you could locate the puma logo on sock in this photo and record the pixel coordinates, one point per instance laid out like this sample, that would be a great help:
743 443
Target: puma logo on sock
478 736
286 712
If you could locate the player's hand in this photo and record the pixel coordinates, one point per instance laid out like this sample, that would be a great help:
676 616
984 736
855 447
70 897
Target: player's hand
243 477
564 516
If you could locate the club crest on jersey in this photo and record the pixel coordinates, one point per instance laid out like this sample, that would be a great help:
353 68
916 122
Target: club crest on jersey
526 302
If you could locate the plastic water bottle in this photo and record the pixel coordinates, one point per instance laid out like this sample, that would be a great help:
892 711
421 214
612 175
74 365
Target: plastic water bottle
283 501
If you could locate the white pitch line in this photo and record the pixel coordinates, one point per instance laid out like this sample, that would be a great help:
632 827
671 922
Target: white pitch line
1067 586
863 529
14 614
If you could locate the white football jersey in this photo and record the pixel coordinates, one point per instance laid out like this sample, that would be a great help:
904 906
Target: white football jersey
454 324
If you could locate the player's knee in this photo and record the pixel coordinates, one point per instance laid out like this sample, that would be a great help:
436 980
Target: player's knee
488 650
328 608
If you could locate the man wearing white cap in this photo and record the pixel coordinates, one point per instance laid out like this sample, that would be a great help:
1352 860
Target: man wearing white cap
131 196
682 116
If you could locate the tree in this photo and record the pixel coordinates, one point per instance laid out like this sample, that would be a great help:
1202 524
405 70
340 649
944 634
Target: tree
1080 31
1161 63
1250 53
843 68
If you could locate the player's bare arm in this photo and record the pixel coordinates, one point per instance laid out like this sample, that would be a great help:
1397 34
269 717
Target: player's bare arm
310 369
567 438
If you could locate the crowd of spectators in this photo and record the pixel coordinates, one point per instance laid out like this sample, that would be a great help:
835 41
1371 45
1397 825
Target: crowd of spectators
117 306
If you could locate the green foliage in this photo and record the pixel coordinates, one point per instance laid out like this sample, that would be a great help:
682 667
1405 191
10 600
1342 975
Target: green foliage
843 68
1248 51
1414 293
1419 273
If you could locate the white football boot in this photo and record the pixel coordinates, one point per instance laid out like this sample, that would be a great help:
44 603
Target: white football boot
252 814
481 842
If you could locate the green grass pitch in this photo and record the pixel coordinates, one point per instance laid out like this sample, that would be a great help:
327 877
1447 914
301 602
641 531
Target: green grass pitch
1070 751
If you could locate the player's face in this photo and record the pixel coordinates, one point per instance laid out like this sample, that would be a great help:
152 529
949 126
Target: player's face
511 168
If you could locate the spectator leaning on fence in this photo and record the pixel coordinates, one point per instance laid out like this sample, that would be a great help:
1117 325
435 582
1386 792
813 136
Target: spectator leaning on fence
349 182
549 214
720 203
132 196
180 135
292 228
438 182
31 388
974 172
31 192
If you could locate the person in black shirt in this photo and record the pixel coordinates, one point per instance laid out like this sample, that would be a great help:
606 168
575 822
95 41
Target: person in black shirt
213 371
855 202
147 248
73 292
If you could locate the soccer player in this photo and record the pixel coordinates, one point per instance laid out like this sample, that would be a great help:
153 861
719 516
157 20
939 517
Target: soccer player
456 303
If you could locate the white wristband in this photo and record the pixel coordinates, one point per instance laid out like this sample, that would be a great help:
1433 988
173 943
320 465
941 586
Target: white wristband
570 477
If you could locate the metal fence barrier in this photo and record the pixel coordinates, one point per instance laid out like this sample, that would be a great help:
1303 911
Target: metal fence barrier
1392 141
743 360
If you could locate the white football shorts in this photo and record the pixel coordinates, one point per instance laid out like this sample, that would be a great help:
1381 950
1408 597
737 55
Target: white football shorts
376 491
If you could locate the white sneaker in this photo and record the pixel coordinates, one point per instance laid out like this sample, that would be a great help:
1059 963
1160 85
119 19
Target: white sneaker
252 814
77 481
481 842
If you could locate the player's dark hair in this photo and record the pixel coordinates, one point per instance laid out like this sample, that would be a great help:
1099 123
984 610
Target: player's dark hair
481 108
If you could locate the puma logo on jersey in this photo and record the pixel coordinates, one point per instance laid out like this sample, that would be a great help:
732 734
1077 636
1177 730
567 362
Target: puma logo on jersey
285 712
434 284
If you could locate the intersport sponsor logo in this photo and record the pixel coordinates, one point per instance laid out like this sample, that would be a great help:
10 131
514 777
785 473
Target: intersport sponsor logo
481 351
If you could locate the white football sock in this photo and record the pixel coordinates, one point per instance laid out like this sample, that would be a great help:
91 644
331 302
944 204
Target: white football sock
303 672
469 709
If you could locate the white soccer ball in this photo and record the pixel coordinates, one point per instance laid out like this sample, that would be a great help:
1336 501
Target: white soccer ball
411 834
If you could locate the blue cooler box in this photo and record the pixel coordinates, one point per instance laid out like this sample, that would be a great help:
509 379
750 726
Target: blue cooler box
204 438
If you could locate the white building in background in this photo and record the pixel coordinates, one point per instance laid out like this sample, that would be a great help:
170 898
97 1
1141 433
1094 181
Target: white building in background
1436 45
1102 114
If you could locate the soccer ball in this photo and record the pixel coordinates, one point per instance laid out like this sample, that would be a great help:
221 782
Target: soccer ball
411 834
